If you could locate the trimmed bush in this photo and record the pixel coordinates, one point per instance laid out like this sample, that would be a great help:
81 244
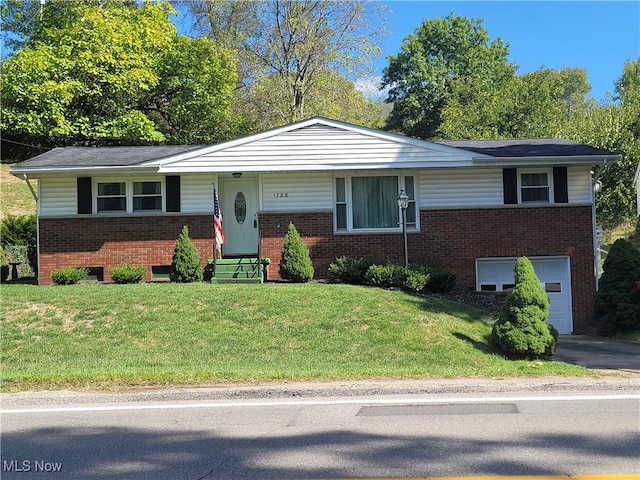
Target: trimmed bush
521 330
295 264
186 265
617 302
126 273
69 275
4 266
350 270
441 279
22 230
392 275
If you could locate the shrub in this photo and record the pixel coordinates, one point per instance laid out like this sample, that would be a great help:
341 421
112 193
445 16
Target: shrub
392 275
441 279
69 275
350 270
4 266
617 303
186 264
295 264
126 273
22 230
521 330
384 276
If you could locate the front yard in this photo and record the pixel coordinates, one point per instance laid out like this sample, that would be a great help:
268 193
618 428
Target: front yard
94 336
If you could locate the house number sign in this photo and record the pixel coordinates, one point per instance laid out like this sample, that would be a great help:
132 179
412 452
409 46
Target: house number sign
281 195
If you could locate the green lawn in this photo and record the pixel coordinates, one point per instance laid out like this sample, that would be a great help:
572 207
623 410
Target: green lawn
109 336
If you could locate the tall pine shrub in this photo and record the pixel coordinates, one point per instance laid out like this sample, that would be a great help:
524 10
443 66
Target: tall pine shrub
521 330
186 265
617 302
295 265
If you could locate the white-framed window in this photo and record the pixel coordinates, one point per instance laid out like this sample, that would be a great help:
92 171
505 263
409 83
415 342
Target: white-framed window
370 202
535 186
128 196
112 197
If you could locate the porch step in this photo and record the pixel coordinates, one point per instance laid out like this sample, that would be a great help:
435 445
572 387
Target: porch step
238 270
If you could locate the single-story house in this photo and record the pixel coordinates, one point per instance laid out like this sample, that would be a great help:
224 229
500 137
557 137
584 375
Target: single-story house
474 205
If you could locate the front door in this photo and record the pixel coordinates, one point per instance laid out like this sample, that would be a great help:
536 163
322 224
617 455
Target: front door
239 205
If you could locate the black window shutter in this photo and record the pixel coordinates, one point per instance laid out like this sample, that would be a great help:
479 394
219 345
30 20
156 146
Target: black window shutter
560 188
172 183
510 185
85 198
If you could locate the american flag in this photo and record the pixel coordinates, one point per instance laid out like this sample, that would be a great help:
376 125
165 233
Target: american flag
217 224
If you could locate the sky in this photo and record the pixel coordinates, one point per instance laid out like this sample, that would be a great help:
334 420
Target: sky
596 35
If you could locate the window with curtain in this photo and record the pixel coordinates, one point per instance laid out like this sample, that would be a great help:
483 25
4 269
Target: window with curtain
371 202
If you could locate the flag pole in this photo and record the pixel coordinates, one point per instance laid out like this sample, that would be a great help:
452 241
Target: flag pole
215 233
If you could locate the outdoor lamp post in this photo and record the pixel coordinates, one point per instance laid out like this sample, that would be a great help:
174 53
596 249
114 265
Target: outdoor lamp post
403 203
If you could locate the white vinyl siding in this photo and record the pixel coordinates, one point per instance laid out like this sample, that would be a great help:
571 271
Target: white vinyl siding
196 192
321 148
290 192
457 188
57 197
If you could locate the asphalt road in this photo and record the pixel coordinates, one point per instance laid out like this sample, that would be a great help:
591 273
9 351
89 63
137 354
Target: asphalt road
368 429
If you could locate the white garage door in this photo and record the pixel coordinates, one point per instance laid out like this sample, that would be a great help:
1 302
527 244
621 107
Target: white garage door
496 274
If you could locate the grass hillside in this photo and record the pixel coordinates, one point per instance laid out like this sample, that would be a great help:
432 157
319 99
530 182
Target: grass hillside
15 197
109 336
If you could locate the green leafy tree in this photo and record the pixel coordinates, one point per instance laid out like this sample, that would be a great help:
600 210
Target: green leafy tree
439 52
115 73
617 302
521 330
186 264
295 264
533 105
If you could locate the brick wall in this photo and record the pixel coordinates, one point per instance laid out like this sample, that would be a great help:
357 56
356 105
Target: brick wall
109 241
457 237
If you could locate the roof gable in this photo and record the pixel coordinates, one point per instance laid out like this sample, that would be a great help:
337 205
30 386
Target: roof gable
317 144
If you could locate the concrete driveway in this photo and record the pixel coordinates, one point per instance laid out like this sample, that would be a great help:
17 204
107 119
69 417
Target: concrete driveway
599 353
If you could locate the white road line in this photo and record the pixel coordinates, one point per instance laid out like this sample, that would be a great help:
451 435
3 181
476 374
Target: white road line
317 402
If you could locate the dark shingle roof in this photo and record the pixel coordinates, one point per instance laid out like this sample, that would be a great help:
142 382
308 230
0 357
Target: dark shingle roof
103 156
531 147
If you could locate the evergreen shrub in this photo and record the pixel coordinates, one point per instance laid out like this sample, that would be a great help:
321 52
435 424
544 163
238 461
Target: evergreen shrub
4 266
186 265
127 273
350 270
295 264
617 302
69 275
521 330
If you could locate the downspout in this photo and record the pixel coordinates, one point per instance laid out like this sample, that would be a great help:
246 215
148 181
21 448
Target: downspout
33 192
35 197
595 188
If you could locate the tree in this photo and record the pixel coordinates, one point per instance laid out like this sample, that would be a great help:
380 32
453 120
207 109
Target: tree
617 302
522 329
186 263
115 73
536 104
295 264
285 47
439 52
